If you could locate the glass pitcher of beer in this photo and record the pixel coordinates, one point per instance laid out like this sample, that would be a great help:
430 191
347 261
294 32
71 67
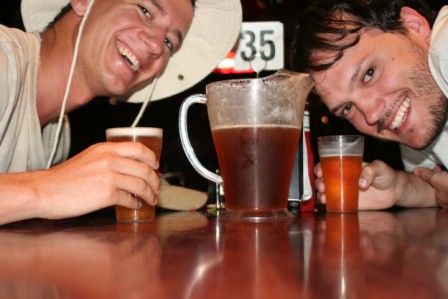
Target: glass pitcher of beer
256 125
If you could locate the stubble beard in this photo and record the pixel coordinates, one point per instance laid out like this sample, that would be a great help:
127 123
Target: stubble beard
427 89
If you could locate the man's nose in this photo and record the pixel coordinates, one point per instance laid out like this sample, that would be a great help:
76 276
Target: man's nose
154 42
372 108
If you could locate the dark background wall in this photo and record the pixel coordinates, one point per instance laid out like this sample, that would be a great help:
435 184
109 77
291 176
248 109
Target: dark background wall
89 122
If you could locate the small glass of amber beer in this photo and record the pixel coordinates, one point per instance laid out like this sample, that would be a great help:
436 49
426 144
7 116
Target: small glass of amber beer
152 138
341 161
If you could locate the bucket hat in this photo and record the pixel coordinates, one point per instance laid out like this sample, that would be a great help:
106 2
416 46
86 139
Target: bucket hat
213 32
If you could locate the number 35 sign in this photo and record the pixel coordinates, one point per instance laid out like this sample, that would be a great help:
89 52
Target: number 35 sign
260 47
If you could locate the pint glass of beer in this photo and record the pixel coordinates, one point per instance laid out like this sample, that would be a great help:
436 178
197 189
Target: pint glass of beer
341 161
152 138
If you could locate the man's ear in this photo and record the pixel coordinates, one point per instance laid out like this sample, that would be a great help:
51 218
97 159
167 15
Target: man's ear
415 23
80 6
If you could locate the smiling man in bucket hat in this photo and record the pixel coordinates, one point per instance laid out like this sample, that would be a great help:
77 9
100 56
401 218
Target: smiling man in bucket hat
137 50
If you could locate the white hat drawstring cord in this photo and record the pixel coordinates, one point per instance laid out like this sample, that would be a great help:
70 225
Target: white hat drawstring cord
145 103
67 88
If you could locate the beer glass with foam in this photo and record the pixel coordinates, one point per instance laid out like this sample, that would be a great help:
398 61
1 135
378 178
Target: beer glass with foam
256 125
341 161
152 138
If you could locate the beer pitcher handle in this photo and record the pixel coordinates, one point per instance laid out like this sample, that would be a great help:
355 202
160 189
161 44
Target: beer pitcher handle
188 149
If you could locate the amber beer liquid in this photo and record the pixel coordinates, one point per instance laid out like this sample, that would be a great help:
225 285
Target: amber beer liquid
152 138
256 164
341 162
341 175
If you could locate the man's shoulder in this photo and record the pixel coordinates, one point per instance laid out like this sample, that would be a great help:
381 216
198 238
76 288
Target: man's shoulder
17 39
17 48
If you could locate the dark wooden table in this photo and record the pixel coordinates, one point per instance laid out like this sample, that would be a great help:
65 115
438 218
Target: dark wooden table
388 254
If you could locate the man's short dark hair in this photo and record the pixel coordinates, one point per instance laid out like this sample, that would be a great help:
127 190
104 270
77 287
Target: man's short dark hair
319 26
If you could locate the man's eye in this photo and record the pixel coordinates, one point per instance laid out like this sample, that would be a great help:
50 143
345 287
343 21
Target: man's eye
346 110
369 74
168 43
145 11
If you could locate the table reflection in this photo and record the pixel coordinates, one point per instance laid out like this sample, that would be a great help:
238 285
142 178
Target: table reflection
68 264
242 260
403 244
388 254
337 259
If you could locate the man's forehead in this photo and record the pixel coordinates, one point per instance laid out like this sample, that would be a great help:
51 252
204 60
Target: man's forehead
323 56
320 86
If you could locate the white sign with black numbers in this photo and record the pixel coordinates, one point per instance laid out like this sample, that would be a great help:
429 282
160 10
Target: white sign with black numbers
260 47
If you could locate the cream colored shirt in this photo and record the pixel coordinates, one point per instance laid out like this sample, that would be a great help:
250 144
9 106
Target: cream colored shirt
24 145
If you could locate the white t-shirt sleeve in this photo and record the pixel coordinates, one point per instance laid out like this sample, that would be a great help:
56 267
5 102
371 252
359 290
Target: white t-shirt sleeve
438 50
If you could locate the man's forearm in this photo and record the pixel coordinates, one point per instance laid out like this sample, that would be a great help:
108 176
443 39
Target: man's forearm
17 199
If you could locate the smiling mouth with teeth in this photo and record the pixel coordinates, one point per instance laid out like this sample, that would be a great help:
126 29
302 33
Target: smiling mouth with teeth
130 59
401 115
